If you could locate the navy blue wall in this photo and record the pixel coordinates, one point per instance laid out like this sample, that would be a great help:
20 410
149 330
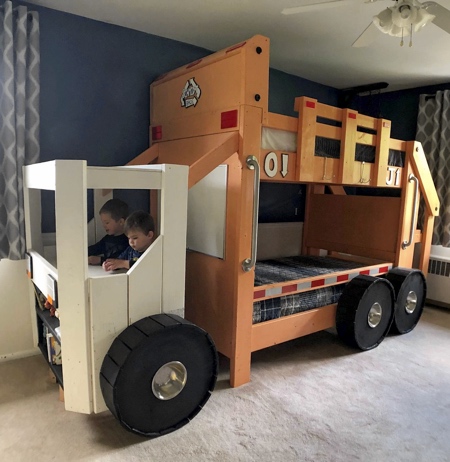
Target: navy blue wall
95 81
284 88
401 107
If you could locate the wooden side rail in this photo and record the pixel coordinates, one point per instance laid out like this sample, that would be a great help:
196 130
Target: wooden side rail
422 172
350 128
420 169
280 330
279 289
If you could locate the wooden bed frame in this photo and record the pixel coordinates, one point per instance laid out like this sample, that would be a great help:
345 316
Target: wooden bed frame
213 112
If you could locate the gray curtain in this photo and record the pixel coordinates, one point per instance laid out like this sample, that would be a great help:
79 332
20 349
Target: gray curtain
433 131
19 119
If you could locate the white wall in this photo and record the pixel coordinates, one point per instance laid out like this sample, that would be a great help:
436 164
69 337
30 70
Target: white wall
278 240
16 299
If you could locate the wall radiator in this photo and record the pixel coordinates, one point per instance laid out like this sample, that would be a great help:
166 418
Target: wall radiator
438 279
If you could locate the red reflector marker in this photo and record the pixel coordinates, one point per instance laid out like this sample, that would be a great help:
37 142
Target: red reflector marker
342 278
289 288
352 115
229 119
157 133
259 294
310 104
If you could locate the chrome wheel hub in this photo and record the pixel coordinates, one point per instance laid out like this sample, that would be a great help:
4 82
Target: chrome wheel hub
411 302
169 380
374 316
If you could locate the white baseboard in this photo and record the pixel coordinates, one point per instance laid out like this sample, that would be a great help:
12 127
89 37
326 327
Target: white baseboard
19 355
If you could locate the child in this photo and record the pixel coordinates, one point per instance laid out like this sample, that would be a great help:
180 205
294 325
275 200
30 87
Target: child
140 228
113 215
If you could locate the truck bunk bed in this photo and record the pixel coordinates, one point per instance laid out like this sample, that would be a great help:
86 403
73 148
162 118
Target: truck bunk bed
211 133
213 113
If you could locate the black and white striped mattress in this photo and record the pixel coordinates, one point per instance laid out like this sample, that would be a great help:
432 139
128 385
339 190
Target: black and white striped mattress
291 268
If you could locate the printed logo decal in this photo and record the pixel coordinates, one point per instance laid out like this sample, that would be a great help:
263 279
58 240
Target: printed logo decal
393 172
271 164
191 94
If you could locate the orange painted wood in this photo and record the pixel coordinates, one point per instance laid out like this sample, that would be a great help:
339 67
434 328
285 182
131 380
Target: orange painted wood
348 146
358 258
404 257
325 169
399 145
367 121
417 236
280 330
219 294
337 190
329 112
146 157
243 313
366 138
201 154
228 78
210 281
427 234
417 164
382 153
269 167
422 172
306 136
329 131
310 190
332 224
197 124
281 122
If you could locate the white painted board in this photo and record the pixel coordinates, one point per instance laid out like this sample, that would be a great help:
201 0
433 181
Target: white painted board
207 202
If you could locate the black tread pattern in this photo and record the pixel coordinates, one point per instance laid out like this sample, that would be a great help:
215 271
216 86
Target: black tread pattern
353 307
134 357
404 280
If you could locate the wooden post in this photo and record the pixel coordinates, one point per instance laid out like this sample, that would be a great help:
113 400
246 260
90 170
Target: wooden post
306 138
382 152
348 146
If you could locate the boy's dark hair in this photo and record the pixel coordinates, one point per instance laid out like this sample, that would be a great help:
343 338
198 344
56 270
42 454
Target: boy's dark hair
116 208
141 221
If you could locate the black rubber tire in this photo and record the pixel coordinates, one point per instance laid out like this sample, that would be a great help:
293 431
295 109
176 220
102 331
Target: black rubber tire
134 358
354 305
405 280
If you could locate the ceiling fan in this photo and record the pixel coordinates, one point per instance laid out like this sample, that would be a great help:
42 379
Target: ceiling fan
400 20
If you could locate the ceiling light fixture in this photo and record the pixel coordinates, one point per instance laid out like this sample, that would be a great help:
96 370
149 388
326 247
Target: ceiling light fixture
402 19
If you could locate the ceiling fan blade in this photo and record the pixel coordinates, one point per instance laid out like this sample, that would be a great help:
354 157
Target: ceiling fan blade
367 37
316 6
442 18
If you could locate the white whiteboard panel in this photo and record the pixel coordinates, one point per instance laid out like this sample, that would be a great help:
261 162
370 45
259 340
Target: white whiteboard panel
207 202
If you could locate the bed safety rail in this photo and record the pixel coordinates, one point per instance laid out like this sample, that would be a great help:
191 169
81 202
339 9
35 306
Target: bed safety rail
341 146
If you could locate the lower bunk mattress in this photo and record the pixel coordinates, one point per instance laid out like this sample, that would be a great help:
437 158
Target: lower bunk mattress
292 268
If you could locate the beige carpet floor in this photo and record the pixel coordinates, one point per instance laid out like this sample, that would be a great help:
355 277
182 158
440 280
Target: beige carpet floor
312 399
